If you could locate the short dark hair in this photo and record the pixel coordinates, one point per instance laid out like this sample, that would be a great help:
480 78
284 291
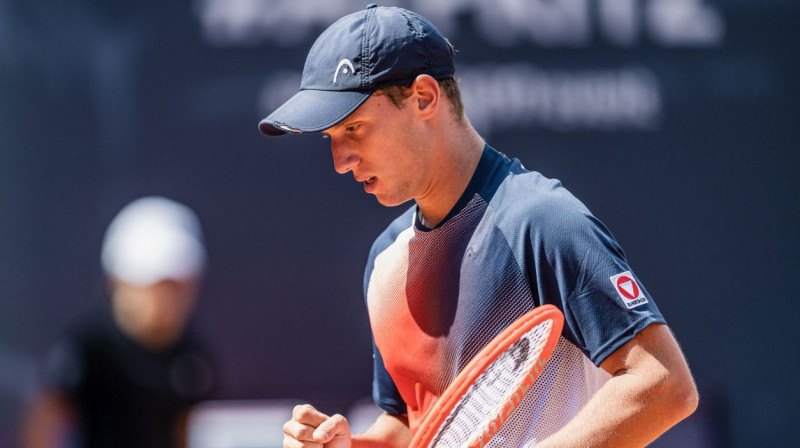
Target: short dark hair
398 93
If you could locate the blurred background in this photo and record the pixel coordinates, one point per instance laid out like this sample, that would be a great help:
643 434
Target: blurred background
675 121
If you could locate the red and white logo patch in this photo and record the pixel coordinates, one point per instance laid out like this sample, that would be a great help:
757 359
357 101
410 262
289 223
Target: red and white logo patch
628 290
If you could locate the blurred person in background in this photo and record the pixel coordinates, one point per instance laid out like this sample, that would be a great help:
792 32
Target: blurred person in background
128 377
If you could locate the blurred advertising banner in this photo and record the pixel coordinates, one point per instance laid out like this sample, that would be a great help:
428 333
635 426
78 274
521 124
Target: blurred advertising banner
560 65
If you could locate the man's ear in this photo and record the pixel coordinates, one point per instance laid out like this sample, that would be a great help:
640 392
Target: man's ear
426 94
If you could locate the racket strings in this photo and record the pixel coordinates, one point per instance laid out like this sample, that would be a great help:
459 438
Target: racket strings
557 395
486 397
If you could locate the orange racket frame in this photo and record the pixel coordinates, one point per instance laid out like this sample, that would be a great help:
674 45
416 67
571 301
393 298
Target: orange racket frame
440 410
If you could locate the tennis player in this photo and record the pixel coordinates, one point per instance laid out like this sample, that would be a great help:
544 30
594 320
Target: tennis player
485 241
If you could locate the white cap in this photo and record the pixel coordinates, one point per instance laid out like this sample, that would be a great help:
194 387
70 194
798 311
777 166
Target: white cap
154 239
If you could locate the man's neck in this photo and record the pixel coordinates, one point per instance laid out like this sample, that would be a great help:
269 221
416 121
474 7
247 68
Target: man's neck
458 158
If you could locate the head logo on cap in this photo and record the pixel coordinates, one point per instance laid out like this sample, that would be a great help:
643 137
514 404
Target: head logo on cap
344 64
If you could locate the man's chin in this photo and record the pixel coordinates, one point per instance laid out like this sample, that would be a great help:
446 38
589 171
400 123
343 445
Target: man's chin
389 201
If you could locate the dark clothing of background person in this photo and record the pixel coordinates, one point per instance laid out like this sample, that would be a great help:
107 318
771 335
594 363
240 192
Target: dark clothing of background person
125 394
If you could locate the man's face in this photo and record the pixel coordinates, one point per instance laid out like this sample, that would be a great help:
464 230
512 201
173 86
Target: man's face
383 146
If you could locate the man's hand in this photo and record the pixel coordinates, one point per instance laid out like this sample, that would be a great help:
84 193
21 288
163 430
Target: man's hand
310 428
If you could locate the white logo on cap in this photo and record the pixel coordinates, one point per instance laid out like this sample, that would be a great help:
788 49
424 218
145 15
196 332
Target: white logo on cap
347 64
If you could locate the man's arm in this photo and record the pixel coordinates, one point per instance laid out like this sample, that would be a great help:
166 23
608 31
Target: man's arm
650 391
310 428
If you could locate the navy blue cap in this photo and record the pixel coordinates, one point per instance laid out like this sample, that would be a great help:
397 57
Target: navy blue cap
359 53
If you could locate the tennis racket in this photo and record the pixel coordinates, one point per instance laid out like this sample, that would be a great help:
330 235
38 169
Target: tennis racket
487 391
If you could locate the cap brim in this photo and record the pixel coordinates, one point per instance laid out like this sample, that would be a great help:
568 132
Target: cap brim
312 111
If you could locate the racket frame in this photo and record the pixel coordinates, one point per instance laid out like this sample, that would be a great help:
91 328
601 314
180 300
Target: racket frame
441 409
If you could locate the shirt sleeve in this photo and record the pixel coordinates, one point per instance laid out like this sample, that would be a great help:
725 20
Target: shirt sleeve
580 267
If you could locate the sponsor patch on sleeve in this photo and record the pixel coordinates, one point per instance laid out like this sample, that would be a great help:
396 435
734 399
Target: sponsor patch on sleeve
628 290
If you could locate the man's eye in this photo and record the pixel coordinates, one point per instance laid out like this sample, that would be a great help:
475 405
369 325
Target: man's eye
353 127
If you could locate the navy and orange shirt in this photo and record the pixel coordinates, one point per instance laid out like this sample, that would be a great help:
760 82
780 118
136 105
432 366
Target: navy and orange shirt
514 240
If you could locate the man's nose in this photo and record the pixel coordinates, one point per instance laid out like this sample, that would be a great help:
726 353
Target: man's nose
344 158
